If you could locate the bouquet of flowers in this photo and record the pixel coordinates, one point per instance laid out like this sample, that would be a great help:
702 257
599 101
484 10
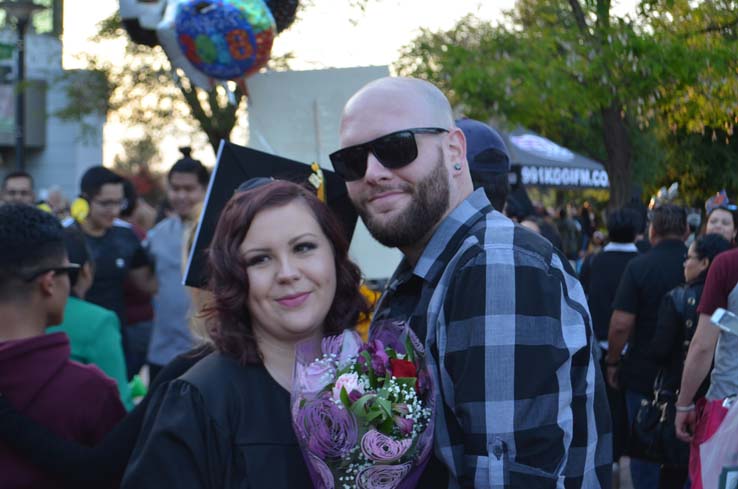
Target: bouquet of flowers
363 413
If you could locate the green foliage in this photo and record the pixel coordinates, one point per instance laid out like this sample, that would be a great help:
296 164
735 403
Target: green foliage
559 66
702 164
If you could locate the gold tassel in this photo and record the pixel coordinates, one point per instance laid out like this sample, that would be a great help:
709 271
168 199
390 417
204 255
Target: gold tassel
317 181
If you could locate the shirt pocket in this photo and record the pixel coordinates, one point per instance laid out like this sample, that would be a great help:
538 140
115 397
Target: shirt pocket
502 471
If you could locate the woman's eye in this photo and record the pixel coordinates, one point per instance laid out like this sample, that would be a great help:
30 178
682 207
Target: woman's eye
304 247
257 260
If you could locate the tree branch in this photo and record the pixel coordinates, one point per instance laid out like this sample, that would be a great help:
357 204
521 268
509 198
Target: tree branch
579 15
712 28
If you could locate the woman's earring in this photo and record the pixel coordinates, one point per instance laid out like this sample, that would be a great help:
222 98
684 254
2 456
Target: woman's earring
457 166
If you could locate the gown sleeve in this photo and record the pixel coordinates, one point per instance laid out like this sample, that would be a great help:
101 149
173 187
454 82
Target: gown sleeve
180 445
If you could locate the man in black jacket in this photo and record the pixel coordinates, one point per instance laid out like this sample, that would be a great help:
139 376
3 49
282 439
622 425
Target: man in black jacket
635 309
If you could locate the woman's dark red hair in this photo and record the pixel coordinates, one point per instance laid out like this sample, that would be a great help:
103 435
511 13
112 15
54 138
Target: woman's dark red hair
228 314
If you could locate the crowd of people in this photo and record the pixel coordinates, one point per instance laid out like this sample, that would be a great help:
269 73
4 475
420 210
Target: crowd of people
545 337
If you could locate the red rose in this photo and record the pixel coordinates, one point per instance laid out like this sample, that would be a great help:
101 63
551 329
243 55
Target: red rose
402 368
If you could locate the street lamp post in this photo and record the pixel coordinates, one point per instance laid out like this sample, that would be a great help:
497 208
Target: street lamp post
21 11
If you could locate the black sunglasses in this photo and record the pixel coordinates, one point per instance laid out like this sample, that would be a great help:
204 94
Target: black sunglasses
68 269
393 151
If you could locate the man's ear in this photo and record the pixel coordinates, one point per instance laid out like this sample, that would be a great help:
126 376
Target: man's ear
456 147
46 284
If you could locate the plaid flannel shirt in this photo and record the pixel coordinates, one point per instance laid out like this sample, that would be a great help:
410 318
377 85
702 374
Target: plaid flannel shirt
520 399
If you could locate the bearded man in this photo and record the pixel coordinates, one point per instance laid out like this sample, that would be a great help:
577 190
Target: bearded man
519 397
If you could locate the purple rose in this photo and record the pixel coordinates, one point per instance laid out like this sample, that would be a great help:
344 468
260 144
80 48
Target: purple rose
380 360
382 476
332 429
404 424
323 473
382 448
391 333
355 396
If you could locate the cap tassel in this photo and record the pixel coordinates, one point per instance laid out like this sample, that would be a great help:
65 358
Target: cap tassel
317 181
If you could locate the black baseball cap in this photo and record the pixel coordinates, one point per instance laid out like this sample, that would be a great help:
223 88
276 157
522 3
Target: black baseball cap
485 150
238 169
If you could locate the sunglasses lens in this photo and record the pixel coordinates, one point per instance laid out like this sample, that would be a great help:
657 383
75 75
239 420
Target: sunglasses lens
350 163
396 150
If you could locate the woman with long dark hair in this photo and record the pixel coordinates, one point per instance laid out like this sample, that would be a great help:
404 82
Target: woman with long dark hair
279 274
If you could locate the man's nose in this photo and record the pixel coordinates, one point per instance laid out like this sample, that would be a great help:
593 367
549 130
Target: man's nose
375 170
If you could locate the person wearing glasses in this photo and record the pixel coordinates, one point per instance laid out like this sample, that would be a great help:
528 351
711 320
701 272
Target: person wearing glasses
116 251
74 401
18 188
520 399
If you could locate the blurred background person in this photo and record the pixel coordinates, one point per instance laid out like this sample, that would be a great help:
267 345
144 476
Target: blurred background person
18 188
489 161
600 277
644 282
139 309
187 182
93 331
117 252
57 202
570 231
675 327
722 217
698 419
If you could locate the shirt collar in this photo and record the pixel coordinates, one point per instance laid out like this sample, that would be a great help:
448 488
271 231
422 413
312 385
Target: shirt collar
449 235
620 247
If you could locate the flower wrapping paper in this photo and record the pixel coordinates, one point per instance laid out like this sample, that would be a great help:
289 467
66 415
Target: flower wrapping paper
363 414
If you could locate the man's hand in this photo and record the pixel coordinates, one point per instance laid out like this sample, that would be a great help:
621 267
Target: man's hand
685 424
612 376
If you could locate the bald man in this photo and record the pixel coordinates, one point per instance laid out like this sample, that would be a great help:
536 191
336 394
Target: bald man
520 401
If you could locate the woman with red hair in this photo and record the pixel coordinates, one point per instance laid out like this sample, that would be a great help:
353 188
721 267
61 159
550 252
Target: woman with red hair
279 274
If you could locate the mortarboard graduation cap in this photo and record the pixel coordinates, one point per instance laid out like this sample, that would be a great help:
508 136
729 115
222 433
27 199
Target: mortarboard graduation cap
236 165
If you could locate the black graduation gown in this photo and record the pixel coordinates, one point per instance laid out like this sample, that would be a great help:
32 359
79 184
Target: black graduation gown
218 426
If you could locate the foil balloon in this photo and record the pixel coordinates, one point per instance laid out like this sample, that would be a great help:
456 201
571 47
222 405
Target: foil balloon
140 19
283 11
217 39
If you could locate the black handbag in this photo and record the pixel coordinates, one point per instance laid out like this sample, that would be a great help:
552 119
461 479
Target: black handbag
653 435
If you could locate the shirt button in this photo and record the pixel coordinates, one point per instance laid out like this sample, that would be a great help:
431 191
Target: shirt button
688 322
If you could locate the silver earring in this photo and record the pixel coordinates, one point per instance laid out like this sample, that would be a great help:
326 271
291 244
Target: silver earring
457 166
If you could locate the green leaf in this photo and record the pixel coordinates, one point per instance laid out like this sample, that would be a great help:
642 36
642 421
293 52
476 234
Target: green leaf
409 349
345 398
406 381
385 405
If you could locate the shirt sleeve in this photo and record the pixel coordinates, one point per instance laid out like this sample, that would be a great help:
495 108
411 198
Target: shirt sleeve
180 444
139 258
516 363
717 286
626 297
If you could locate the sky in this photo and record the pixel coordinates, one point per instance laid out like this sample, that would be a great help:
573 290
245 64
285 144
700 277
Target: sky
329 33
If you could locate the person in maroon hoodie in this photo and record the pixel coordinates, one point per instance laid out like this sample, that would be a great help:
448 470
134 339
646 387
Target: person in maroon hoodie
75 401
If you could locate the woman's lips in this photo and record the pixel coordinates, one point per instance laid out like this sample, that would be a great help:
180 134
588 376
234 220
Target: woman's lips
292 301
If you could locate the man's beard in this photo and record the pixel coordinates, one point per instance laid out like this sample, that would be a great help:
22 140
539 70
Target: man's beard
430 200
